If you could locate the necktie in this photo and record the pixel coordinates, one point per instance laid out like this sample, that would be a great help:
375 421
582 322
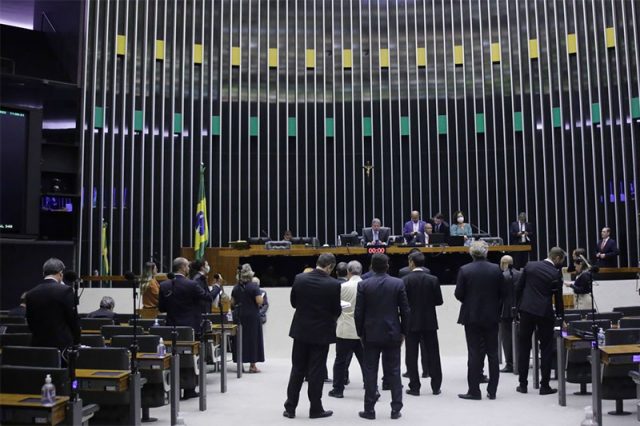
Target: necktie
602 245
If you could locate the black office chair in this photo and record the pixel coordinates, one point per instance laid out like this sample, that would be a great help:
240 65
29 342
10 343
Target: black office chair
154 392
614 317
92 340
15 339
28 356
188 363
16 328
148 323
162 316
628 311
184 333
631 322
123 318
114 405
572 317
12 320
582 312
577 327
29 380
108 331
616 383
94 323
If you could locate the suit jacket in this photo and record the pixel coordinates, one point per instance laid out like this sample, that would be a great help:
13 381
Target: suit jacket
383 235
407 231
182 298
51 315
442 229
382 310
18 311
582 284
201 280
424 294
102 313
480 289
537 284
509 294
403 272
316 298
610 253
515 228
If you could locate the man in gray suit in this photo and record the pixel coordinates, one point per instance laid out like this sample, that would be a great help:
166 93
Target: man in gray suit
376 234
382 320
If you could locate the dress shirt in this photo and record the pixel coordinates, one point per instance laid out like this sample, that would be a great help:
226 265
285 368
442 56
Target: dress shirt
346 327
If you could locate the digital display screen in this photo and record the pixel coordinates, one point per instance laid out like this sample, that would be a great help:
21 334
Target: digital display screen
13 169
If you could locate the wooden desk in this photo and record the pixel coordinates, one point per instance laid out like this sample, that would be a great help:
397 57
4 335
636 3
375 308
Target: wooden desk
231 330
608 355
187 347
27 409
102 380
564 344
153 361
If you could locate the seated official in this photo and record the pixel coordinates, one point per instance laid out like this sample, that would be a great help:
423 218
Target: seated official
21 309
288 235
413 227
375 235
460 227
439 224
607 250
425 236
106 309
149 288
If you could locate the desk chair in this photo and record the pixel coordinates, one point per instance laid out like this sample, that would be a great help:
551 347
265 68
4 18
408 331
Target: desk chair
628 311
188 363
94 323
582 312
108 331
616 383
15 339
632 322
27 356
16 328
92 340
148 323
12 320
614 317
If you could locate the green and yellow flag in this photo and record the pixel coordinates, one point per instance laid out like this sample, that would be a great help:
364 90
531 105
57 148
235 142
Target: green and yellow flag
104 265
202 229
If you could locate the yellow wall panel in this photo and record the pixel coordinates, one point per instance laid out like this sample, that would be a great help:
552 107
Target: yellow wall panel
347 58
610 37
458 54
160 50
310 58
235 56
273 57
121 45
496 54
421 57
572 44
197 53
533 49
384 58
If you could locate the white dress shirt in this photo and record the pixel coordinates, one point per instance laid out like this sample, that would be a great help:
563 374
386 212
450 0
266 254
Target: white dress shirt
346 328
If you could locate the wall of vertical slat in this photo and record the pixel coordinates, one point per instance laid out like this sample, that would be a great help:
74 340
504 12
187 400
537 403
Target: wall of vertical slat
489 107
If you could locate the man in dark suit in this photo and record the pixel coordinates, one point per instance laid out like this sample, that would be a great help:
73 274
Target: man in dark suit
199 270
376 234
182 298
405 270
511 276
51 313
316 298
424 294
479 287
382 320
521 234
607 250
439 224
106 309
413 227
537 285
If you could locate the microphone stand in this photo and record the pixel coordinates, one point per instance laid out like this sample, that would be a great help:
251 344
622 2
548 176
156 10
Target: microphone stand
136 385
75 403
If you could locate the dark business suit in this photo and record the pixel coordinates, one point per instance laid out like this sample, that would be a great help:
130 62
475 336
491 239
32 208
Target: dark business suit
182 298
536 286
443 228
51 315
316 298
382 320
201 280
403 272
423 294
520 258
18 311
610 251
383 235
407 230
479 287
511 277
102 313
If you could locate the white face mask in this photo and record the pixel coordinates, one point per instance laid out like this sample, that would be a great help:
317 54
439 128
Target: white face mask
461 219
207 269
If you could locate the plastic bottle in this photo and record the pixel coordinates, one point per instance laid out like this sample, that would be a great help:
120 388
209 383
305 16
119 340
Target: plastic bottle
339 241
162 349
156 323
588 417
600 337
48 391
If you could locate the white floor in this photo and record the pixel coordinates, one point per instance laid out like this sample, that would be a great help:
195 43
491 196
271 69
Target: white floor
256 399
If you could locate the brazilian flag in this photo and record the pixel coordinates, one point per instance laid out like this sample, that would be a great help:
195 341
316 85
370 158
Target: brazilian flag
202 229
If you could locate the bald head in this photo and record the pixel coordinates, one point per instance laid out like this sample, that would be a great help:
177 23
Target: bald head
505 262
415 215
180 266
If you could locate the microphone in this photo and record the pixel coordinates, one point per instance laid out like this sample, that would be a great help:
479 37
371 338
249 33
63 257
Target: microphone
264 233
70 277
591 268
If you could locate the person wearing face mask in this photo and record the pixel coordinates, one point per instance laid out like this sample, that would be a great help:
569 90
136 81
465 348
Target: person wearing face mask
582 285
460 227
198 272
535 289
